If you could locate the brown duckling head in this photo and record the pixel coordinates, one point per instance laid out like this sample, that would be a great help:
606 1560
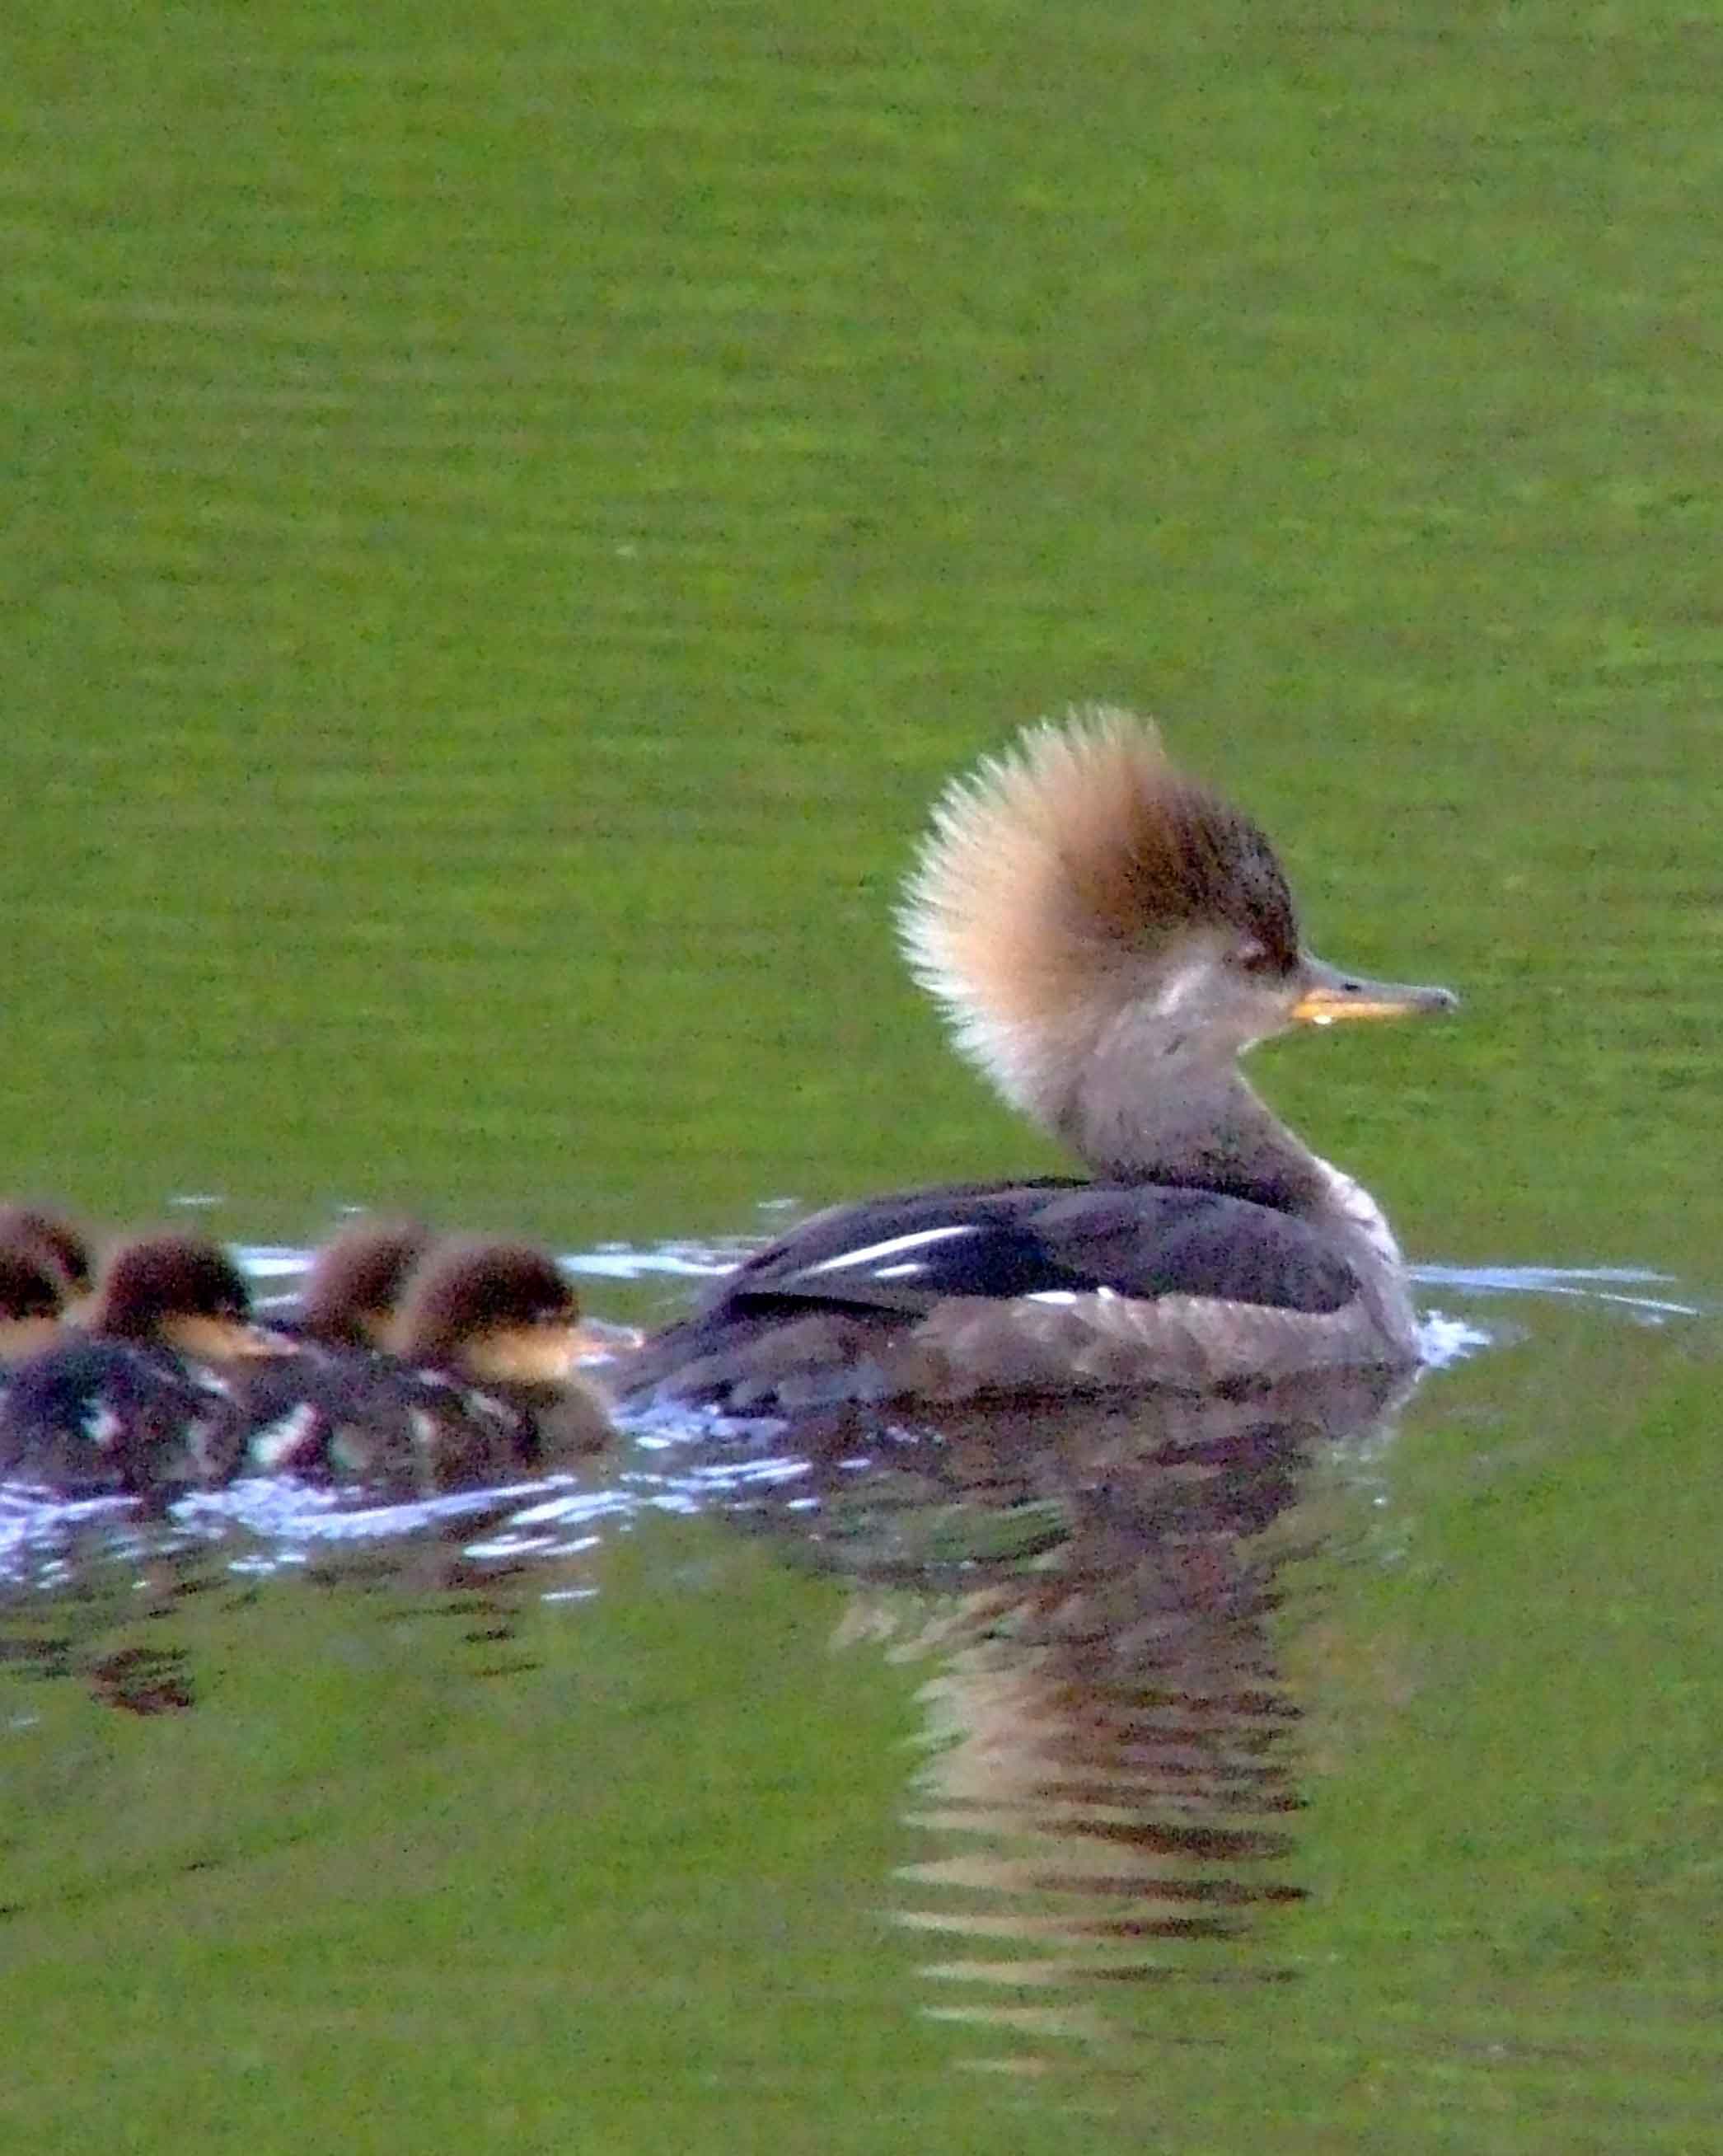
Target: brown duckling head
355 1285
33 1293
52 1237
1106 936
180 1291
497 1312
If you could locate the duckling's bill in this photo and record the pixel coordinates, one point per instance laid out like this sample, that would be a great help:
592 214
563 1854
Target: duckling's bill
208 1339
543 1354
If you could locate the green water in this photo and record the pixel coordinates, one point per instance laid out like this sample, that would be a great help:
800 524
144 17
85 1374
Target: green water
510 521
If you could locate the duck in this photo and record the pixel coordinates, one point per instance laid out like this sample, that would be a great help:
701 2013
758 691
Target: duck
134 1402
1106 936
478 1383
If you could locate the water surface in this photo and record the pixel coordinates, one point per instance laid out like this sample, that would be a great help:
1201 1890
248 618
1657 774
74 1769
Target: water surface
1230 1761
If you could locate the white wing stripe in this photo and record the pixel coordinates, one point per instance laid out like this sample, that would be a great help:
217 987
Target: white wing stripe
894 1246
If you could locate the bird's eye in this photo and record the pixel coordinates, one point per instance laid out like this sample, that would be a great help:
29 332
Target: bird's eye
1253 956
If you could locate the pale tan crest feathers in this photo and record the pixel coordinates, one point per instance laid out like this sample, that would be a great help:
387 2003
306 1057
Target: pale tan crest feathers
1057 876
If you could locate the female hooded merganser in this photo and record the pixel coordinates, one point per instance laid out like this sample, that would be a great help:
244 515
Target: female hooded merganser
479 1385
134 1402
1107 937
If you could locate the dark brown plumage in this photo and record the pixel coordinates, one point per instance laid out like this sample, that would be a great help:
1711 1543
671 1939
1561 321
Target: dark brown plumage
479 1386
148 1285
1166 854
133 1400
33 1293
35 1227
356 1281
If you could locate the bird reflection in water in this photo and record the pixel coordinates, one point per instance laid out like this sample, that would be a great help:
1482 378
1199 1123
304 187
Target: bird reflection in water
1111 1775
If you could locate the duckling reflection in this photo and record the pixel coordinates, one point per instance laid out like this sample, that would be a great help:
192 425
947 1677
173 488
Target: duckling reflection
1112 1752
119 1633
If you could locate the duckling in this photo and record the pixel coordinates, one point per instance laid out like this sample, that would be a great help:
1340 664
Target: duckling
56 1238
480 1385
1107 937
33 1299
353 1289
334 1337
498 1326
134 1403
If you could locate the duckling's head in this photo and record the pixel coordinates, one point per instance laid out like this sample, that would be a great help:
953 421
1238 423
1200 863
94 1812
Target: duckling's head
33 1292
1084 912
355 1280
52 1236
180 1291
500 1312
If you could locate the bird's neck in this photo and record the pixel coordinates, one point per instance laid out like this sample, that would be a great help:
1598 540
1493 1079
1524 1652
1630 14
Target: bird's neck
1201 1126
1198 1124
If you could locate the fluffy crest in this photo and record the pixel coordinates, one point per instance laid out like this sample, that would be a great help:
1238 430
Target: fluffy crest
1059 878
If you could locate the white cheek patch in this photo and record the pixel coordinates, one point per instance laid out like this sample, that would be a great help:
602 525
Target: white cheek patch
1181 989
871 1254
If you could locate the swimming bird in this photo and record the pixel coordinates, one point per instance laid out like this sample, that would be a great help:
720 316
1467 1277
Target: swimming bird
336 1368
1106 936
53 1237
134 1401
353 1287
44 1277
32 1297
479 1384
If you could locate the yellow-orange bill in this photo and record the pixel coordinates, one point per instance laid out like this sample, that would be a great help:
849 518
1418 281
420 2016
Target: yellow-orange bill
1330 995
